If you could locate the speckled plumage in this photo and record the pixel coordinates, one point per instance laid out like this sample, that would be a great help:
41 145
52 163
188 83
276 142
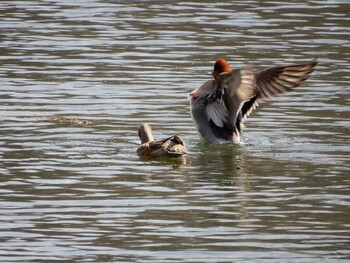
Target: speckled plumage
172 146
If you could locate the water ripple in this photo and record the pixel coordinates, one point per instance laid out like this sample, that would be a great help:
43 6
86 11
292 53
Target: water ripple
78 78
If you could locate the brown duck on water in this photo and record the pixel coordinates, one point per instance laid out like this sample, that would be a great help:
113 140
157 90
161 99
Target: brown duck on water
172 146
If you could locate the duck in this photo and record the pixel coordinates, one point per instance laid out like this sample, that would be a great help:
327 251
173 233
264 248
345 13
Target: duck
172 146
220 105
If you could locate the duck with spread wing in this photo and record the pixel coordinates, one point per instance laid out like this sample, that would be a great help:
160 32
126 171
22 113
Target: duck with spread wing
220 106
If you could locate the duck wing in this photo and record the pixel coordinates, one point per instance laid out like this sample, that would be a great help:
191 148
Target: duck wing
273 81
155 145
231 91
245 111
280 79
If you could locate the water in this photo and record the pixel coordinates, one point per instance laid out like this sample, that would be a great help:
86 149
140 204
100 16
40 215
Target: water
77 79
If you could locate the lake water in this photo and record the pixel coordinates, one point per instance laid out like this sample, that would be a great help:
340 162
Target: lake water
77 78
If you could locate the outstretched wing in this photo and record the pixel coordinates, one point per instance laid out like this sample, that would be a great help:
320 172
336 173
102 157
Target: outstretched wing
280 79
274 81
232 90
223 105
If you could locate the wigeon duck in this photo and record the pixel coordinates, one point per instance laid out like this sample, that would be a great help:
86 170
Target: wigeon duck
169 147
220 105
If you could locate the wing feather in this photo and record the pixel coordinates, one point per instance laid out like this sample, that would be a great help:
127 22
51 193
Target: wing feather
223 104
280 79
239 86
217 112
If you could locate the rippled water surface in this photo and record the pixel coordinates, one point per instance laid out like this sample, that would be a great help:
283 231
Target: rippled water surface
78 77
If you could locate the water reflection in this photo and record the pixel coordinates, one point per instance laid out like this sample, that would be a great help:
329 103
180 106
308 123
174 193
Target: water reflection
78 78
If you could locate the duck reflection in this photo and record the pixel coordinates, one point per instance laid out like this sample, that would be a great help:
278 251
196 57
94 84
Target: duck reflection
219 161
228 166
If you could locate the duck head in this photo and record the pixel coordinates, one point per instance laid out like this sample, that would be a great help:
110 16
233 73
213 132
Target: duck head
145 133
220 66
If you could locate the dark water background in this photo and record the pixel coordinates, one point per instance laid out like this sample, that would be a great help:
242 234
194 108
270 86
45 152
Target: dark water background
78 77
